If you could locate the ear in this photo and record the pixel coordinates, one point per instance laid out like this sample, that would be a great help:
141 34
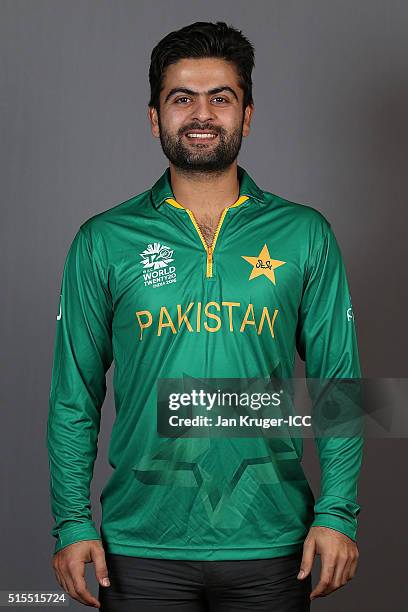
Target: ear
154 122
247 119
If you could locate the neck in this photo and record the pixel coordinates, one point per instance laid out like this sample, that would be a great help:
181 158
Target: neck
205 192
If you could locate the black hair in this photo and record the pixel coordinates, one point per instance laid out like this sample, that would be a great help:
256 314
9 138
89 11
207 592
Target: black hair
198 40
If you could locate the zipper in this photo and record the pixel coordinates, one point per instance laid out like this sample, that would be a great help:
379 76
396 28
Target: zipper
208 248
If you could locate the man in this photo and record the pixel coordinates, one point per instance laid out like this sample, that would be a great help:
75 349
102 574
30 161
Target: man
203 276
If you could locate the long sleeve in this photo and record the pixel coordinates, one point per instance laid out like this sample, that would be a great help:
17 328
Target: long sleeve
82 356
327 342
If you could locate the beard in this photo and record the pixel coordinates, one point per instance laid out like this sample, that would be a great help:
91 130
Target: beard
201 157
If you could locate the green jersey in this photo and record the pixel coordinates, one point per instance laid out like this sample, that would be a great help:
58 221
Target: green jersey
142 289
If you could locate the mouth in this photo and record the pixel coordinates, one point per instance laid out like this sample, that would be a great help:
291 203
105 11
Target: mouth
200 136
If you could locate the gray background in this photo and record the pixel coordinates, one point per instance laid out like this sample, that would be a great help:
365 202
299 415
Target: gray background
330 129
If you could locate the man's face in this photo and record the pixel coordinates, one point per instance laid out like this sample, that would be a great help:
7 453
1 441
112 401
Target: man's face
201 96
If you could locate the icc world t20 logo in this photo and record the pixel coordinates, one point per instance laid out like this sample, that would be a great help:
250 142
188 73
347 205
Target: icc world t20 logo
156 256
156 269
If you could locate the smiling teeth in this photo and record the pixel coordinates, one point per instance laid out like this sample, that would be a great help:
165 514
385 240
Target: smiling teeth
201 135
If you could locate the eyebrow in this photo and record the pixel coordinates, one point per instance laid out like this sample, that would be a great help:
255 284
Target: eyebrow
193 93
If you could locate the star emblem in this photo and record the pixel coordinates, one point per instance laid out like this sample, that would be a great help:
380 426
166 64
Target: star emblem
263 264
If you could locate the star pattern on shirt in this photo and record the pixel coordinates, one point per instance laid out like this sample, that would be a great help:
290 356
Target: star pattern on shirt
263 265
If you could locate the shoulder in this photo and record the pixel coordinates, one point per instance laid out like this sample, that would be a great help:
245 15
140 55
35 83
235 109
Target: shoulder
97 228
309 223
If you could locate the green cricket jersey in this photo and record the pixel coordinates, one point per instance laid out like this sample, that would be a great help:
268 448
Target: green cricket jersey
141 288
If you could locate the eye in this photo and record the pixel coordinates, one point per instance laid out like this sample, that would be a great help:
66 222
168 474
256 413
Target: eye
183 98
220 98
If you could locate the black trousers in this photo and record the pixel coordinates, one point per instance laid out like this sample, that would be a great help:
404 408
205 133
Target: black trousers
140 584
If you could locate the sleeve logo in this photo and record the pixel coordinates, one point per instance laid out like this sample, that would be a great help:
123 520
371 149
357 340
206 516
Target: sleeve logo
349 313
60 313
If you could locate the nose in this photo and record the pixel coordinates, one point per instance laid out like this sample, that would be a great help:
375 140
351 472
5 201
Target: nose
203 111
